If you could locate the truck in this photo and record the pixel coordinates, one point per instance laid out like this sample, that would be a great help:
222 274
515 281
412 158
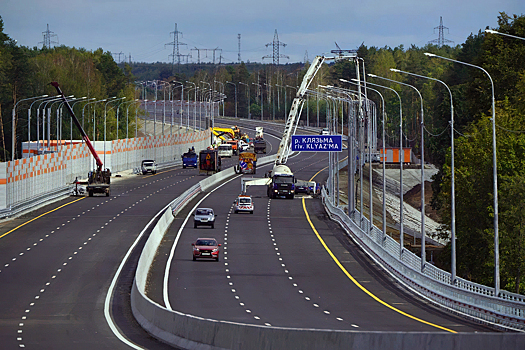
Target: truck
259 132
247 163
98 179
282 182
209 161
189 159
259 146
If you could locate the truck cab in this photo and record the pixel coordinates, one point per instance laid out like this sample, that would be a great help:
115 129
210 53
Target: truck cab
189 159
282 182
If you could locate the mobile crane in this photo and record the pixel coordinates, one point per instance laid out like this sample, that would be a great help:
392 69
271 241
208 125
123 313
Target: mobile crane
280 180
98 179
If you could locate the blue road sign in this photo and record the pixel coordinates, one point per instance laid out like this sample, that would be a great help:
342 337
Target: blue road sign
317 143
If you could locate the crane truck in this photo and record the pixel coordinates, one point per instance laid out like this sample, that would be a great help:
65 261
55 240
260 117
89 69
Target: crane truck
98 179
280 181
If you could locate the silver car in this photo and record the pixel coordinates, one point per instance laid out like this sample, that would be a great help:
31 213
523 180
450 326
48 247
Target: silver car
204 217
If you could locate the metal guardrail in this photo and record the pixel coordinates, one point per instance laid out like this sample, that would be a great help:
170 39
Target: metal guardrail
32 203
466 298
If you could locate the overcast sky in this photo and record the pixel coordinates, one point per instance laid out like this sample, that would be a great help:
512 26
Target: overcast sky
142 28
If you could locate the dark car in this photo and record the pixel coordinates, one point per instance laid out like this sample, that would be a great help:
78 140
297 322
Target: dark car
204 217
206 248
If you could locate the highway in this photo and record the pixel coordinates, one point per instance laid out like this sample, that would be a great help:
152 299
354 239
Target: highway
58 262
276 269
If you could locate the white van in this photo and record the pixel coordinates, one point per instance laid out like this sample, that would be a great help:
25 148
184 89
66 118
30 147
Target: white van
225 150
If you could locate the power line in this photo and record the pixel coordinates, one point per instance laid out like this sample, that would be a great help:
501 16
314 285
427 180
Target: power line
239 54
47 38
275 45
440 41
176 53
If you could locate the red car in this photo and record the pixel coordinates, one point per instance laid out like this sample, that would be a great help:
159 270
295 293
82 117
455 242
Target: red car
206 248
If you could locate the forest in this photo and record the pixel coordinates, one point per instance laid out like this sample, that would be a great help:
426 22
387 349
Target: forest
266 91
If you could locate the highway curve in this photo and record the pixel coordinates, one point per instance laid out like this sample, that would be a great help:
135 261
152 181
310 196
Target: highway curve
275 270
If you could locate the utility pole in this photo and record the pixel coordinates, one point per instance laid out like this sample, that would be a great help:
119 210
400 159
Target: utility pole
176 52
239 54
47 38
440 41
275 46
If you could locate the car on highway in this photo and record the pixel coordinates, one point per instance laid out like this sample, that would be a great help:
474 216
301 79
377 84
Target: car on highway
243 204
204 217
206 248
325 131
148 166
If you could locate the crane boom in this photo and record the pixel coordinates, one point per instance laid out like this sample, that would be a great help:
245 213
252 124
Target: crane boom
77 123
297 105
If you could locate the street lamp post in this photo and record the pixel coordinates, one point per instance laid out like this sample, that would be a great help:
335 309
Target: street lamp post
423 235
384 155
229 82
44 97
494 172
401 207
218 82
505 34
452 183
105 115
248 91
13 126
262 101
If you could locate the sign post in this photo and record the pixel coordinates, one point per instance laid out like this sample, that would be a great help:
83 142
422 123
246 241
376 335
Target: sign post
317 143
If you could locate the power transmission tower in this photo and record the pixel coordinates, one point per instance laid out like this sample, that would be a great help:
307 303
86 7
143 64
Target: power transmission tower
47 38
206 52
306 60
275 45
239 54
440 41
176 53
119 54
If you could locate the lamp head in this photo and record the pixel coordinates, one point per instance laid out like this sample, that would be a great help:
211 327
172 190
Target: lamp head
372 75
429 54
395 70
491 31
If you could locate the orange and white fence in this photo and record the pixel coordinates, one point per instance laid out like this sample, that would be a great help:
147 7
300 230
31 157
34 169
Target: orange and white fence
26 179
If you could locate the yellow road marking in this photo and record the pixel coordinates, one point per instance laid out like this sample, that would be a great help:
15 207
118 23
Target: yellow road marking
334 258
38 217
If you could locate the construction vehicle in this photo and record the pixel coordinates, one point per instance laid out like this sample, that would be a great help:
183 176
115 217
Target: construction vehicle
259 146
282 174
258 132
209 161
189 159
247 163
98 179
236 132
235 146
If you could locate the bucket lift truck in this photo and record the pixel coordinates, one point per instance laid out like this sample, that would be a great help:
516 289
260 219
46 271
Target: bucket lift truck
280 180
98 179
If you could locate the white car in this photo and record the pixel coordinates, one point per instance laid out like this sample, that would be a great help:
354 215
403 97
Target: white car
325 131
243 204
148 166
243 146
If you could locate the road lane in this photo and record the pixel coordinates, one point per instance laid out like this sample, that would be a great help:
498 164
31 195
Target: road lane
276 271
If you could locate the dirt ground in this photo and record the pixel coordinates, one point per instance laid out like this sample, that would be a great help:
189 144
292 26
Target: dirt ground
412 197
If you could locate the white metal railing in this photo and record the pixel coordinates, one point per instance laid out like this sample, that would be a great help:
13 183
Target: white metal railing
468 298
